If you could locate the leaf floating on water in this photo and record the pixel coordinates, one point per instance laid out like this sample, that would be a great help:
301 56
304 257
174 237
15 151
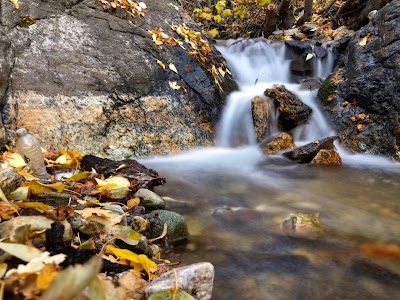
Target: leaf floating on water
390 251
174 294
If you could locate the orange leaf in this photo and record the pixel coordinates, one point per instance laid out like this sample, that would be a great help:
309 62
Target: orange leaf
390 251
47 276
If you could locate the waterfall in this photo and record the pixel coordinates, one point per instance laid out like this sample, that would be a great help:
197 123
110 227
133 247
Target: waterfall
257 65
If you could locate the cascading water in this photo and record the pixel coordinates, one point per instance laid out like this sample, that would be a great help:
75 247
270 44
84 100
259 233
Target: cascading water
233 198
258 65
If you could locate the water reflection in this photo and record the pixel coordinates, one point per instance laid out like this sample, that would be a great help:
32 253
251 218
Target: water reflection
236 200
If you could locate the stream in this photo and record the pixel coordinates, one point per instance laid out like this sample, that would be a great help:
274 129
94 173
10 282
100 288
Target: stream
234 197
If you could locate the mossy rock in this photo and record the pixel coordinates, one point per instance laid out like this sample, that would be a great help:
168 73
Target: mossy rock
177 230
327 89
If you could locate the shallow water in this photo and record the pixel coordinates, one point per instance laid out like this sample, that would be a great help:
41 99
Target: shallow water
234 198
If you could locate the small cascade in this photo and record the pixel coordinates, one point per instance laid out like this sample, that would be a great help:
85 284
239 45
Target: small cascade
258 65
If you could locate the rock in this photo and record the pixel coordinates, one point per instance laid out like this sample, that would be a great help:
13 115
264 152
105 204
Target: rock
98 81
261 111
293 111
306 153
327 157
284 141
129 168
342 32
150 199
177 230
298 47
140 224
301 66
311 83
10 180
320 52
196 279
369 84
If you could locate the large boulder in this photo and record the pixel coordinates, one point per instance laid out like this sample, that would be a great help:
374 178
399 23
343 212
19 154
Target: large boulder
292 111
82 76
363 94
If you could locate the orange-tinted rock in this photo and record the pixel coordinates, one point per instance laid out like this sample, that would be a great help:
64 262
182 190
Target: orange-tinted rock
284 141
327 157
261 111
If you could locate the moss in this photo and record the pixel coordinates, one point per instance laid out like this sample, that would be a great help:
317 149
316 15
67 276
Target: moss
328 88
26 21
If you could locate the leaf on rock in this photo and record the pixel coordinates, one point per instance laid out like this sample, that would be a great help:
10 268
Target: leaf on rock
71 281
100 215
15 3
78 177
36 187
171 294
174 85
173 68
2 196
161 64
15 160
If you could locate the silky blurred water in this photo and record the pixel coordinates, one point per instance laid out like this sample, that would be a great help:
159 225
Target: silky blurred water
233 198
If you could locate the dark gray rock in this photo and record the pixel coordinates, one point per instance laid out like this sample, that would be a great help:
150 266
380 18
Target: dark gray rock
177 230
298 47
368 84
302 66
311 83
293 111
306 153
96 77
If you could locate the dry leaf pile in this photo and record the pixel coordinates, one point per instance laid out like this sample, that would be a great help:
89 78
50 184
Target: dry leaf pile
69 237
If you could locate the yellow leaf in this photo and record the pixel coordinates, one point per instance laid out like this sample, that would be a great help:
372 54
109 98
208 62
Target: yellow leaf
78 177
62 160
15 160
7 210
221 71
47 276
173 68
148 265
218 18
226 12
365 40
174 85
161 64
206 16
20 193
213 33
360 126
2 196
100 215
15 2
37 206
36 187
3 269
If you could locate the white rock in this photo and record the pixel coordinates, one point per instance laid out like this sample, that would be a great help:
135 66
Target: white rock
196 279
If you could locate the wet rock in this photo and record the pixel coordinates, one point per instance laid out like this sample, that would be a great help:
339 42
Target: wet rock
306 153
177 230
298 47
301 66
150 199
309 29
320 52
129 168
283 141
261 111
367 82
97 79
293 111
327 157
10 180
311 83
196 279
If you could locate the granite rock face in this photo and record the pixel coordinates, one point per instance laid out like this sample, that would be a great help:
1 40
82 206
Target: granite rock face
365 92
85 78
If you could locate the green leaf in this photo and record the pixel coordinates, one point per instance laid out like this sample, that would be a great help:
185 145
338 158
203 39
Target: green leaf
171 294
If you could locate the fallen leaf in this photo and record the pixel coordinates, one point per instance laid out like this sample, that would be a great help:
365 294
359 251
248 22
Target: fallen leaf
15 160
360 126
78 177
36 187
389 251
173 68
171 294
161 64
46 276
362 116
71 281
2 196
103 216
174 85
20 193
23 252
